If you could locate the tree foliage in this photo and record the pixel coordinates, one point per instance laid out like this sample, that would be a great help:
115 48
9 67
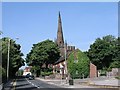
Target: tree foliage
105 52
78 64
2 75
45 52
20 72
15 56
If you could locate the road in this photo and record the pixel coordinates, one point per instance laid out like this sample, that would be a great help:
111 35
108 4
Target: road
21 83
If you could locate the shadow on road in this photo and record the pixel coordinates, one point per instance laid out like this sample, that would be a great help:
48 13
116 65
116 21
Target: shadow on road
21 85
20 80
66 89
29 88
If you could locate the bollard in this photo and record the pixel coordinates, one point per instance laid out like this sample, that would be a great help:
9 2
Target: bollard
71 82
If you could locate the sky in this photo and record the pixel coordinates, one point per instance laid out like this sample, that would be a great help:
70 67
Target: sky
82 22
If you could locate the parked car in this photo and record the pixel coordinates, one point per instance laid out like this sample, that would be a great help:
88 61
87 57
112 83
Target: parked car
31 77
28 75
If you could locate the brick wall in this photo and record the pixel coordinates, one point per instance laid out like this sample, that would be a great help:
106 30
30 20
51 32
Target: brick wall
93 71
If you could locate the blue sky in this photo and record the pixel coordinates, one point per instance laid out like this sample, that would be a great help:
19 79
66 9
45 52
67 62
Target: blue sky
82 22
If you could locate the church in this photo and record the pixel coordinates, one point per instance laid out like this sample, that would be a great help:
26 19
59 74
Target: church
61 65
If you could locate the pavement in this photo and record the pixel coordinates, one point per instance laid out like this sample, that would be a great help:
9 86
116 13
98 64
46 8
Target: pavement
111 82
63 84
84 84
8 85
102 82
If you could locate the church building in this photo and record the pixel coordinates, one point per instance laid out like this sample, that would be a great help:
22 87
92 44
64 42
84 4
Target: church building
61 65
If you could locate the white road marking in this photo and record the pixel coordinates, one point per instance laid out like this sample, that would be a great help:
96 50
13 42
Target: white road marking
14 84
11 82
38 87
32 84
35 85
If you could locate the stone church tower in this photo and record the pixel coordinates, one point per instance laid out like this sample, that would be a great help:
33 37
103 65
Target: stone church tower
60 39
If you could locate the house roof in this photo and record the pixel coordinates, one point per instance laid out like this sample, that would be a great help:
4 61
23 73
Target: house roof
60 60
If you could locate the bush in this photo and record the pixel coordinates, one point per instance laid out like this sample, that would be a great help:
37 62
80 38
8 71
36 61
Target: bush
117 77
79 68
103 72
3 74
115 64
46 73
20 72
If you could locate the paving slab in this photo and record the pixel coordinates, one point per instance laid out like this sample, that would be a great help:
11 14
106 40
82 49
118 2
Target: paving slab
95 83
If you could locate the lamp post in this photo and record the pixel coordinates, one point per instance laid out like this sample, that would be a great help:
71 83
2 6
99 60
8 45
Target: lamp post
66 71
1 84
61 71
1 48
8 58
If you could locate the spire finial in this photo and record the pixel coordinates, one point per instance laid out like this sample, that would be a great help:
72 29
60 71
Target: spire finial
59 20
59 13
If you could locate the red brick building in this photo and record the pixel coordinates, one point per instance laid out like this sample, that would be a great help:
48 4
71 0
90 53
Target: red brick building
93 71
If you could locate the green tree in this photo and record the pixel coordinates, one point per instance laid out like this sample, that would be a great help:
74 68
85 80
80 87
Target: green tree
116 58
45 52
78 64
15 58
104 51
20 72
2 75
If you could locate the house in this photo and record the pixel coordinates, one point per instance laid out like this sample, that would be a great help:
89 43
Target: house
27 71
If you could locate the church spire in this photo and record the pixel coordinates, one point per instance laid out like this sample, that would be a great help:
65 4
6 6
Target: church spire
60 39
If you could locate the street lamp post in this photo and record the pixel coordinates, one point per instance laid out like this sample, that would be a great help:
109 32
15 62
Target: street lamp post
1 84
1 47
8 59
61 71
66 71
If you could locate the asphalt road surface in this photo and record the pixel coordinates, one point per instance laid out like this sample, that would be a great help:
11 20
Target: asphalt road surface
21 83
